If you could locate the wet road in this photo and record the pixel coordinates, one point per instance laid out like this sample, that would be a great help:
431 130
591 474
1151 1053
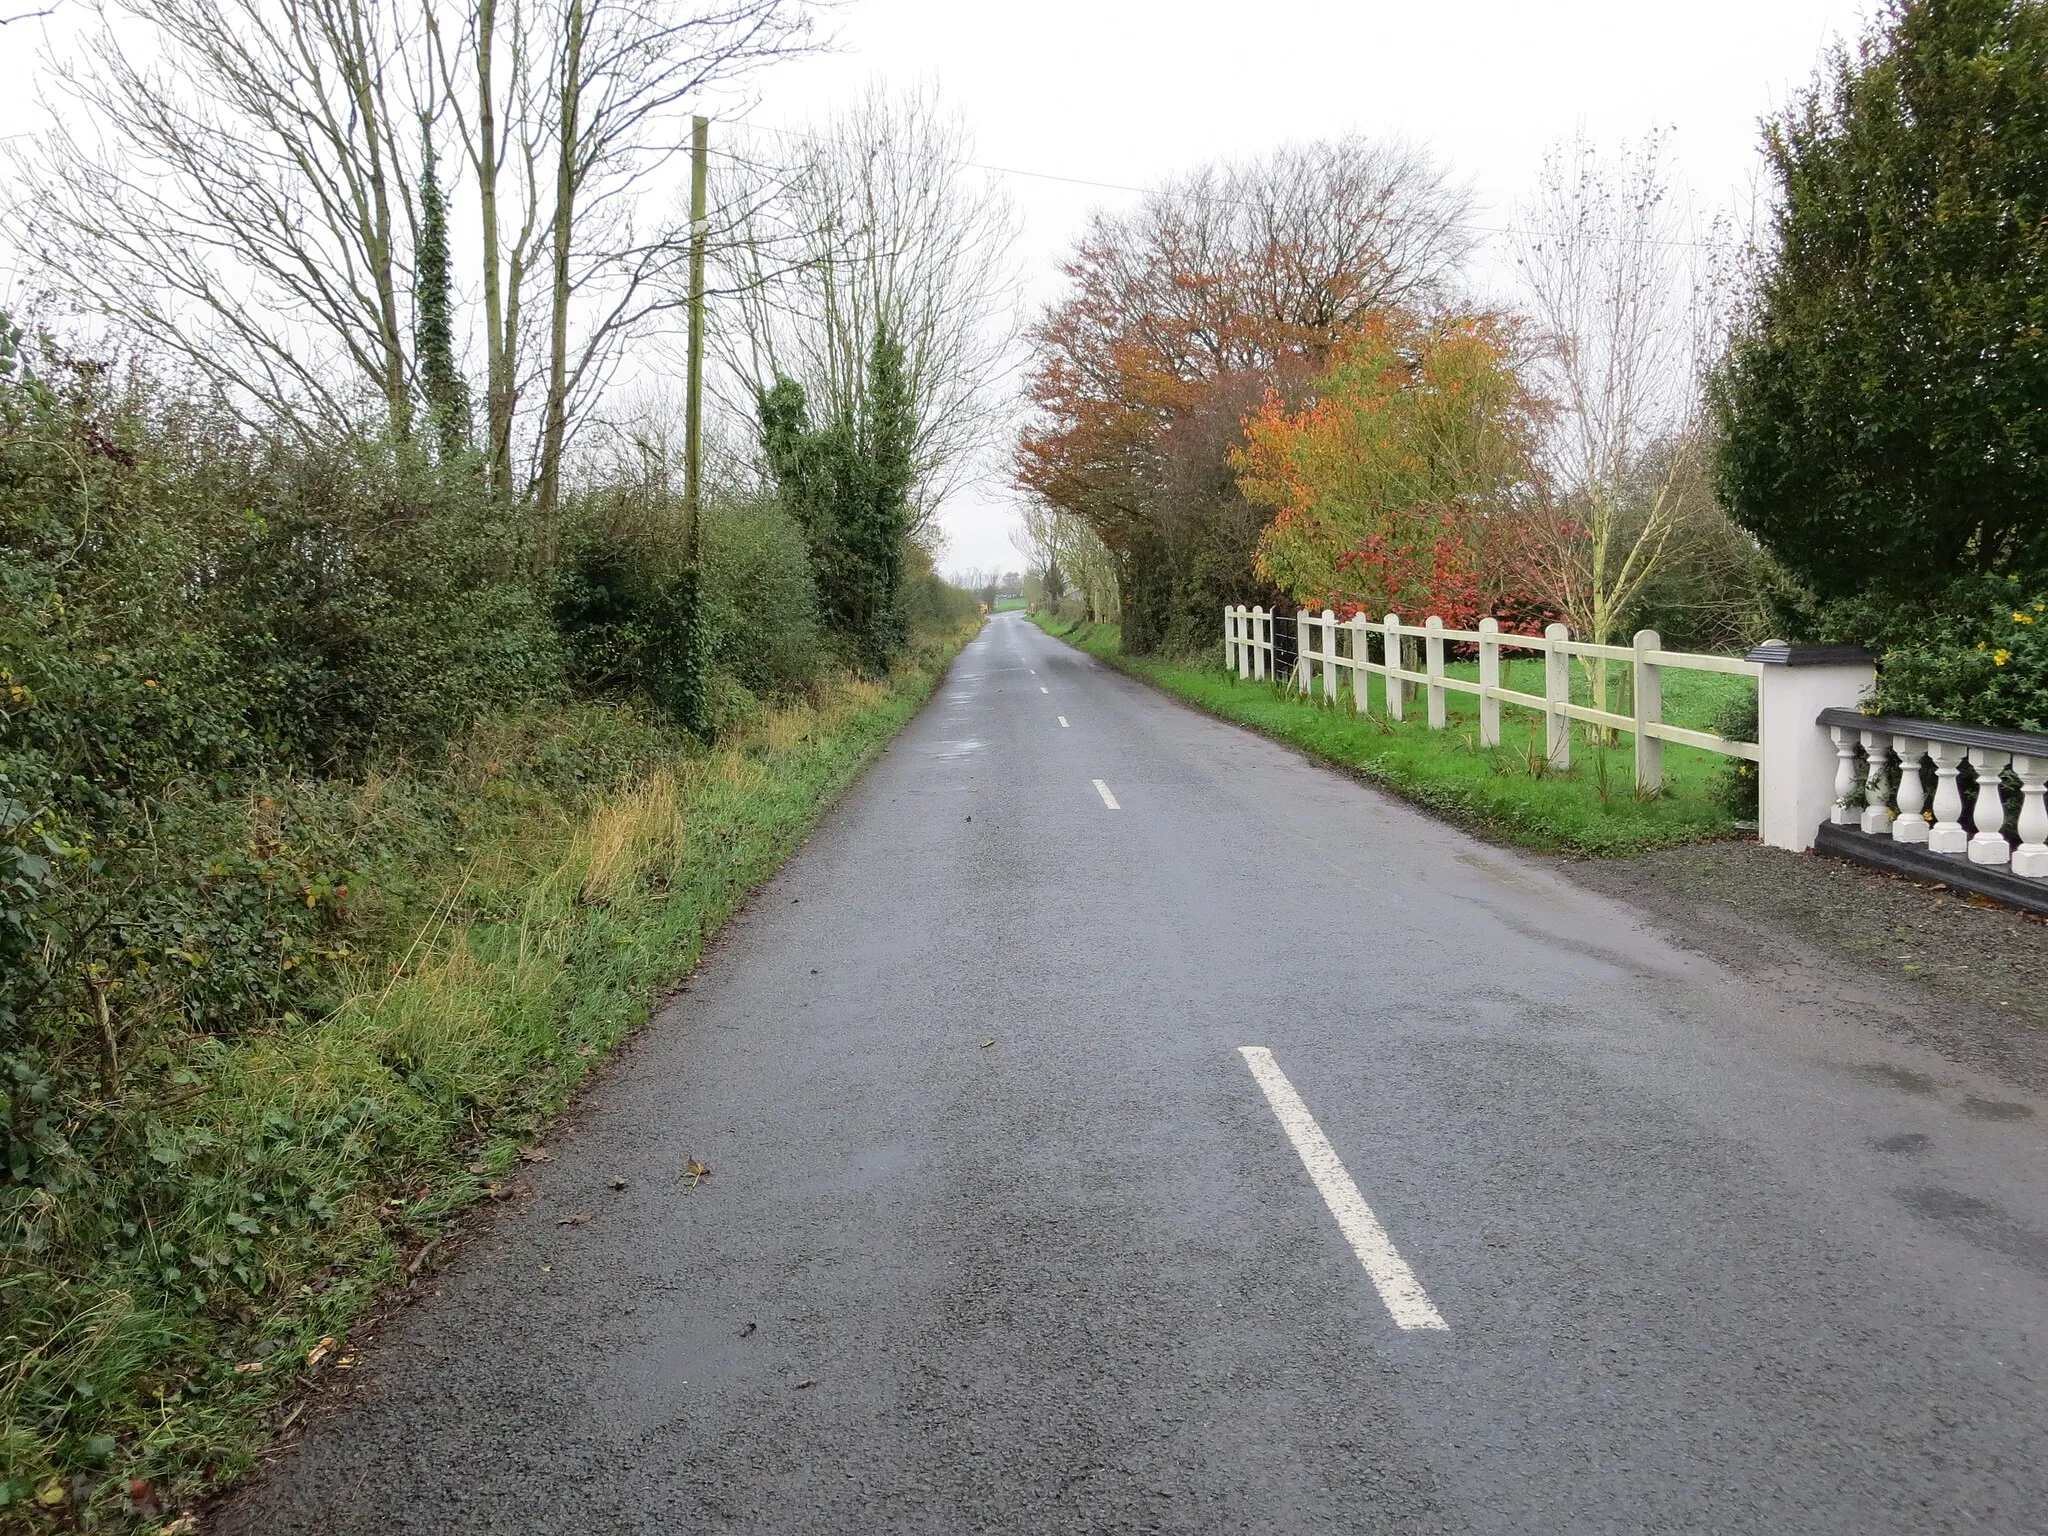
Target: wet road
1699 1256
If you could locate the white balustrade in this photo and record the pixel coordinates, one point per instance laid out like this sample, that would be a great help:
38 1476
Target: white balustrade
1910 825
1877 811
2031 857
1989 846
1947 835
1846 777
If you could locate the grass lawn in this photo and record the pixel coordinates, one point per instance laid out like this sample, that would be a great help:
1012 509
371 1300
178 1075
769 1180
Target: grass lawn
1509 792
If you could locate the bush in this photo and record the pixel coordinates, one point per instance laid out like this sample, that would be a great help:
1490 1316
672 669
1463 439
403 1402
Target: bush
1736 785
192 622
760 604
1977 657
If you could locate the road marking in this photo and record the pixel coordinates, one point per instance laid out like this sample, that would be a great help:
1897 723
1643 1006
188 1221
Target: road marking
1043 689
1403 1294
1102 789
1063 722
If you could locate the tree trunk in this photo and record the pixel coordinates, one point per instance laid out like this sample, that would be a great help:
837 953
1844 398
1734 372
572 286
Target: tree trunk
556 427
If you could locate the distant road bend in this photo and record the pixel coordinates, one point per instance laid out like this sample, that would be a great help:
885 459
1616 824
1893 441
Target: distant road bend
1120 1124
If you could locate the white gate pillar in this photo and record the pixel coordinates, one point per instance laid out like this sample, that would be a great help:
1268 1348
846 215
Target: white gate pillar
1796 792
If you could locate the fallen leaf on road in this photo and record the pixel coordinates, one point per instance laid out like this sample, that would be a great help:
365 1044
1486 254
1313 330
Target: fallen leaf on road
748 1329
695 1171
806 1382
573 1221
321 1350
618 1183
535 1155
986 1044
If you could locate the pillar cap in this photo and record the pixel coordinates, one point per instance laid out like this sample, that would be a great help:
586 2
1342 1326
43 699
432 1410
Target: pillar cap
1784 653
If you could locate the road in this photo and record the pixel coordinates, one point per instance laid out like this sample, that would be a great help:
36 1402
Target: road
1704 1257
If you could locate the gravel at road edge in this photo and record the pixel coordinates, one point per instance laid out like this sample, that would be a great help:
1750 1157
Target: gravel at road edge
1949 972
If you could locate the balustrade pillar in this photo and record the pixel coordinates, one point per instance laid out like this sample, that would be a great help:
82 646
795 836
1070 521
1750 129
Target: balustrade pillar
1910 825
1846 776
2031 857
1877 810
1947 835
1989 845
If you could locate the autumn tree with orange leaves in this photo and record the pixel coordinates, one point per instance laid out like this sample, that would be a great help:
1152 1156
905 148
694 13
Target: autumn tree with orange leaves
1401 481
1182 317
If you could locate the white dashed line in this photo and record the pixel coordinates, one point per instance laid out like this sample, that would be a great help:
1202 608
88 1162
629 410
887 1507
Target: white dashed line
1063 722
1108 799
1403 1294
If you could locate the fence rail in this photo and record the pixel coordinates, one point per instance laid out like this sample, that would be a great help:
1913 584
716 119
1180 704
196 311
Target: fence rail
1329 648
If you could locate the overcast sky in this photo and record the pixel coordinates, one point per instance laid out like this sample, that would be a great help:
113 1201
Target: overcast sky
1131 91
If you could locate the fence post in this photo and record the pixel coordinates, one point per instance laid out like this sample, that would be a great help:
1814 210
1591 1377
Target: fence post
1229 638
1433 664
1328 626
1649 691
1796 789
1304 677
1394 684
1557 692
1259 667
1489 679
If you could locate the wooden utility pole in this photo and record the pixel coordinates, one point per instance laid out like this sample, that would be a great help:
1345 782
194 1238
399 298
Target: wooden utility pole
693 419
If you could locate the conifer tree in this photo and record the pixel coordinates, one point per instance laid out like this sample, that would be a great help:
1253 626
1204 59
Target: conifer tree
1883 412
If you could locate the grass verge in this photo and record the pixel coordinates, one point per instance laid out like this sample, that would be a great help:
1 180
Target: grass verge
1510 792
302 1172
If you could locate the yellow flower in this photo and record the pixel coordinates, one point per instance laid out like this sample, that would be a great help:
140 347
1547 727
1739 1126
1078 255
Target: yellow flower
2023 618
2000 657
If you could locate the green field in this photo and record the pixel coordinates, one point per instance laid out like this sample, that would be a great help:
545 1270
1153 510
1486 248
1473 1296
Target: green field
1509 792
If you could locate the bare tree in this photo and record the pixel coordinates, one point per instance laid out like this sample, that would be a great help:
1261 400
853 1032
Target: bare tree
1053 539
873 219
248 198
1614 277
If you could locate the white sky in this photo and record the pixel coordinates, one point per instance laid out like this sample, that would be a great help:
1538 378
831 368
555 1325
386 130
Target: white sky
1131 91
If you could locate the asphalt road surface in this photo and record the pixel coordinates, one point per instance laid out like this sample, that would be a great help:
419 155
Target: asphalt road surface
1514 1216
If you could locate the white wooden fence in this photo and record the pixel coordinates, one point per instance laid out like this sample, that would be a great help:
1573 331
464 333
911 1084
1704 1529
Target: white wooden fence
1330 648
